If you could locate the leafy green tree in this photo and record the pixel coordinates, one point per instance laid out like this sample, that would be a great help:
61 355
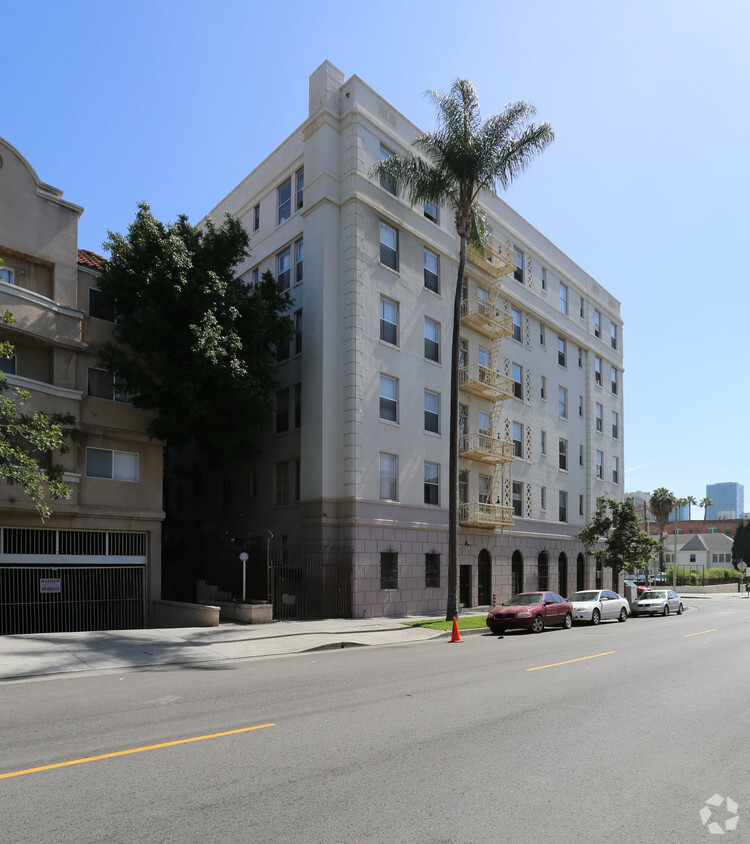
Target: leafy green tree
617 526
28 441
741 544
661 504
454 164
705 503
192 342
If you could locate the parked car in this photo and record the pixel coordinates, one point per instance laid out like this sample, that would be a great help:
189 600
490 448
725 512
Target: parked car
657 602
641 589
595 605
531 611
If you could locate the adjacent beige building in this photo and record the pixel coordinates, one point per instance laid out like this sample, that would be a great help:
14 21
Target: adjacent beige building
95 563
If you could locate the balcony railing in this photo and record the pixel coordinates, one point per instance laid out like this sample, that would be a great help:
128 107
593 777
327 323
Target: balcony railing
485 382
486 448
479 514
498 259
487 319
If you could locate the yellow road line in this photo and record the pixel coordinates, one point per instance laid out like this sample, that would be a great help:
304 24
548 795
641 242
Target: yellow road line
132 750
567 661
700 633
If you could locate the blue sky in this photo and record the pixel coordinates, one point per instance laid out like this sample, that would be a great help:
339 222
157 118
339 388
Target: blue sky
646 186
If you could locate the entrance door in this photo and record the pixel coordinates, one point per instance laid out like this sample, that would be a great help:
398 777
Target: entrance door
484 585
464 586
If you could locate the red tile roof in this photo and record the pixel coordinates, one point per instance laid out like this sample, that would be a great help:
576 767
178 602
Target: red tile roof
90 259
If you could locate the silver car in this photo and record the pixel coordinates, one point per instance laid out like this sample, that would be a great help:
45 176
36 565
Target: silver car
657 602
595 605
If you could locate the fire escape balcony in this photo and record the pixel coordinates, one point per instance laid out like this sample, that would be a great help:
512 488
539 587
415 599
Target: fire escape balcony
486 448
498 259
481 514
485 382
487 319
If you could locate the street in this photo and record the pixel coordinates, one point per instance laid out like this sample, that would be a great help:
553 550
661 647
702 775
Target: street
621 731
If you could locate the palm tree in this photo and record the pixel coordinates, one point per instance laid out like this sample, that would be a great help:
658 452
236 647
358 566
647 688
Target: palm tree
661 504
705 503
680 505
461 158
690 501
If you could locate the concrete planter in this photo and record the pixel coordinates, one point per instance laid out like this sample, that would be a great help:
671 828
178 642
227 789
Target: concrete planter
260 613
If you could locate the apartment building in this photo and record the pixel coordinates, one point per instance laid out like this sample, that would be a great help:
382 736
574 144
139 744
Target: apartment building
358 452
95 564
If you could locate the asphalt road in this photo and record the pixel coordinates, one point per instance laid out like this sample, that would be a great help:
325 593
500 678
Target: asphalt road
619 733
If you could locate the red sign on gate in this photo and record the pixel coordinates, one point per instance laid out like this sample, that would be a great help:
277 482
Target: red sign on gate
50 585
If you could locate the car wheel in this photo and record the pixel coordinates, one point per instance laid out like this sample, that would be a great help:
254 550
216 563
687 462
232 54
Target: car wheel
596 617
679 610
665 611
623 615
568 623
538 625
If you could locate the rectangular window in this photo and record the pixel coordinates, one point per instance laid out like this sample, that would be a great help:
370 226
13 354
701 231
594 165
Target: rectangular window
517 381
254 276
562 402
615 470
432 571
542 335
516 324
282 352
580 505
431 483
431 339
517 498
600 465
518 272
387 182
517 439
431 211
615 425
613 336
562 352
563 299
544 278
9 366
298 332
7 275
388 246
598 371
282 410
562 509
597 324
543 442
463 421
580 455
614 381
599 417
582 309
98 307
101 384
285 201
543 388
114 465
580 358
485 488
463 486
431 281
388 570
580 406
300 187
463 353
388 466
297 479
483 300
298 405
388 321
388 398
283 268
256 218
483 422
543 497
431 412
298 261
563 454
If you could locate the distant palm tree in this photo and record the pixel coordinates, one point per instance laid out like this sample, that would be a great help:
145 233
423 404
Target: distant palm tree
690 501
461 158
705 503
661 504
680 505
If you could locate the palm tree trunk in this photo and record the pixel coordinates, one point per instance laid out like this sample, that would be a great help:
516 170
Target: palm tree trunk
452 609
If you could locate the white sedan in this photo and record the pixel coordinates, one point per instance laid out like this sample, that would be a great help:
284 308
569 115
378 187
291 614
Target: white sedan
595 605
658 602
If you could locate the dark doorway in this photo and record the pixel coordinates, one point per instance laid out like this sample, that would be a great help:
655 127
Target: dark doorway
562 574
599 574
484 586
464 586
516 573
580 573
542 571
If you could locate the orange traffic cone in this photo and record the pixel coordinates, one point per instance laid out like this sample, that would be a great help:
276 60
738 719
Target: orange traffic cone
456 637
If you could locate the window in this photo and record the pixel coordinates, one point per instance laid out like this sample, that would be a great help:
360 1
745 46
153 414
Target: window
517 498
692 558
483 359
516 324
483 300
543 388
582 309
517 381
463 421
518 272
254 276
598 371
613 336
463 353
543 442
614 380
431 412
597 324
544 278
542 335
615 470
562 402
300 187
9 366
580 406
98 307
298 262
297 479
285 201
615 425
562 352
600 465
388 246
388 466
297 405
432 571
387 182
599 417
431 483
298 332
388 570
431 211
485 488
517 439
7 275
563 506
282 352
563 454
283 268
431 271
580 455
101 384
388 398
580 505
282 410
543 497
114 465
431 339
463 486
388 321
256 218
580 358
563 299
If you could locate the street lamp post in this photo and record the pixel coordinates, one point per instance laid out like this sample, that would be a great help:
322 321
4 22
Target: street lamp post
243 560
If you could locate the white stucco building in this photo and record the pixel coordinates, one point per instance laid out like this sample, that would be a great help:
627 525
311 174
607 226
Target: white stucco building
359 451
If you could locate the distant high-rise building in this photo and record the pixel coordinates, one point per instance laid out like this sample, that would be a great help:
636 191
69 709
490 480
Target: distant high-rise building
728 500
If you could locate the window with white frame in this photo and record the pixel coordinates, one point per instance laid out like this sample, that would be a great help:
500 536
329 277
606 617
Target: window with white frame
463 424
516 324
483 422
431 483
388 398
463 486
582 308
580 505
562 510
283 268
431 211
543 388
388 246
615 425
580 406
431 280
600 465
517 494
432 339
597 324
112 465
580 455
256 218
543 497
387 182
7 275
485 489
517 372
598 371
298 332
483 300
562 447
388 321
431 412
483 359
580 358
615 470
9 366
544 278
562 352
285 201
599 418
614 380
562 402
563 299
542 335
300 179
613 336
298 261
543 442
518 272
517 439
388 469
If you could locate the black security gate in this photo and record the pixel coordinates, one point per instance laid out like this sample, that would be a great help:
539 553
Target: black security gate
311 583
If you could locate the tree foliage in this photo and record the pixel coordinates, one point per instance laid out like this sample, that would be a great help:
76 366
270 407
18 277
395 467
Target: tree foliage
741 544
28 441
705 503
617 526
661 504
192 342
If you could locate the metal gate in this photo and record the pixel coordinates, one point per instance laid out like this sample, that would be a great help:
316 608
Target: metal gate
311 583
44 599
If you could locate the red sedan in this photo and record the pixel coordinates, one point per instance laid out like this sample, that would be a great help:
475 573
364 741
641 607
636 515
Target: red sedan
531 611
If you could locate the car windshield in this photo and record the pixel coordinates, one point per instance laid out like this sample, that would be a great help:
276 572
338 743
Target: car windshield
653 596
584 596
526 599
